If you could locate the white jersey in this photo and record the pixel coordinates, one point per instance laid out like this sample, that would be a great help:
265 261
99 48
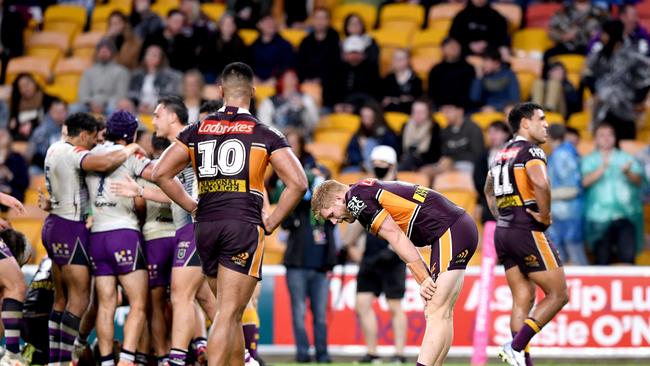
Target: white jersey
65 181
188 180
159 222
111 212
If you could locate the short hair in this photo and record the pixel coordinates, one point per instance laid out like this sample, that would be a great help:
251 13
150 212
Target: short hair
173 12
520 111
322 9
16 241
556 131
604 124
211 106
492 54
347 20
234 76
79 122
323 196
501 126
572 130
174 103
159 143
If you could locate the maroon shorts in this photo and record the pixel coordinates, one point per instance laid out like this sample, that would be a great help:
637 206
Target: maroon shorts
455 247
234 244
531 251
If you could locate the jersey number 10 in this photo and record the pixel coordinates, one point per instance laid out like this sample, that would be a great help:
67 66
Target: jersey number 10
501 177
231 158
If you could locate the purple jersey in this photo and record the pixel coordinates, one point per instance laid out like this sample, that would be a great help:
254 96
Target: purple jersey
422 213
513 189
230 152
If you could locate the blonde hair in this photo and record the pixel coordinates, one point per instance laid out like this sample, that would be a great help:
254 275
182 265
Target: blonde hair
323 196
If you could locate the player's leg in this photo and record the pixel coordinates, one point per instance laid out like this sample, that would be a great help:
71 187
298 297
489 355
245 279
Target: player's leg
86 326
76 278
318 291
160 256
250 328
54 323
13 289
144 345
523 299
200 338
368 320
394 287
399 322
185 284
297 284
207 299
136 289
158 323
106 290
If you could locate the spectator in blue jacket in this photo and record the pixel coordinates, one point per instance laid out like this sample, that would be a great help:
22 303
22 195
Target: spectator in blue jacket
495 85
272 54
566 197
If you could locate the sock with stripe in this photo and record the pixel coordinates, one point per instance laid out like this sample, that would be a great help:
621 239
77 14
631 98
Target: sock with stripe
127 356
199 343
525 334
419 364
54 335
12 319
177 357
528 358
162 360
251 327
107 360
69 331
141 359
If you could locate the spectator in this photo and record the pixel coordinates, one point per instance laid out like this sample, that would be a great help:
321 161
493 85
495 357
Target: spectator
46 134
420 138
289 107
644 158
193 94
127 43
451 79
296 13
153 80
380 271
372 132
555 92
177 41
567 197
310 255
14 174
126 104
619 78
479 27
353 25
11 24
461 141
144 21
271 53
320 53
201 25
634 33
613 208
104 83
27 106
495 84
401 87
248 12
222 47
572 28
498 133
357 81
572 136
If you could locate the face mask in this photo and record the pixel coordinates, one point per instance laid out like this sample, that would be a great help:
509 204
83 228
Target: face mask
380 172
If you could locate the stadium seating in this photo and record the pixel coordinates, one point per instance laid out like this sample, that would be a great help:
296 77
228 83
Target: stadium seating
162 8
351 178
39 67
48 44
441 15
339 122
552 117
530 42
512 13
85 43
574 65
248 36
213 11
406 17
440 119
67 74
314 90
293 36
147 121
367 12
396 121
324 150
459 188
539 14
418 178
339 138
67 14
388 41
484 119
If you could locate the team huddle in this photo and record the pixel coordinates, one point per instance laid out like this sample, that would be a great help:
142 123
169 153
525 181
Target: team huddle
184 229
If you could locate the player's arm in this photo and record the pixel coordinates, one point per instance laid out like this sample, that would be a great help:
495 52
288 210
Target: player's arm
351 240
173 160
131 189
291 173
536 171
104 162
11 202
488 190
402 245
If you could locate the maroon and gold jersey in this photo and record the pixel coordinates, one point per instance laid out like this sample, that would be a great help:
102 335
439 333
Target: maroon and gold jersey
230 151
513 189
422 213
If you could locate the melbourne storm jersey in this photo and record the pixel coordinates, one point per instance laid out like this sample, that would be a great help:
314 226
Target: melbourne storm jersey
513 189
182 217
230 151
159 222
422 213
65 182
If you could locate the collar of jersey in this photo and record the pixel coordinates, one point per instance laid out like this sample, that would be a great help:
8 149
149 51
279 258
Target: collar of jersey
520 138
239 110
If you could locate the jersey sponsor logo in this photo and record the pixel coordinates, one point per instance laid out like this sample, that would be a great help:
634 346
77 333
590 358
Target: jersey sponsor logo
124 257
240 259
212 127
60 250
105 204
531 261
355 206
509 201
420 194
507 154
183 246
222 185
368 182
537 152
462 257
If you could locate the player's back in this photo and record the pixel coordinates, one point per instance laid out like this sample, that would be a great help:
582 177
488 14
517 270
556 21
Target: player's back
230 151
158 221
65 182
110 211
513 189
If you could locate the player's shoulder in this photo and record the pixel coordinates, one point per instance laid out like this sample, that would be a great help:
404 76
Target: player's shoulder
530 151
364 188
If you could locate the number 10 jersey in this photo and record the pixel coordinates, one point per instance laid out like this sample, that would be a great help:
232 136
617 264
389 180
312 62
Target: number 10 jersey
230 151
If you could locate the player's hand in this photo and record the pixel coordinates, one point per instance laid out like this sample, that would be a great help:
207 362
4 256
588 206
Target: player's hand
126 188
43 202
546 220
428 288
268 228
626 168
89 222
135 149
12 203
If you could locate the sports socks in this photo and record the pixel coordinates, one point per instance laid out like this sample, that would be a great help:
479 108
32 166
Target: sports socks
251 327
54 335
69 331
141 359
528 358
525 334
177 357
107 360
12 319
162 360
127 356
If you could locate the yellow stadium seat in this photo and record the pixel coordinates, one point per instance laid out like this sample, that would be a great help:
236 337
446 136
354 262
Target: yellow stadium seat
314 90
351 178
464 199
418 178
339 138
552 117
101 13
146 120
391 38
585 147
440 119
49 40
324 150
339 122
454 180
163 8
367 13
580 120
293 36
67 90
65 13
527 64
213 11
631 147
71 29
446 11
332 165
263 91
511 12
396 121
531 41
572 63
71 65
50 54
526 81
423 59
428 38
442 25
413 13
484 119
85 43
36 66
248 36
67 75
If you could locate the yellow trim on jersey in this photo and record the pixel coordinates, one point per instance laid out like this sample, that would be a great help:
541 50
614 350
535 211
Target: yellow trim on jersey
545 250
445 245
509 201
222 185
375 225
532 162
256 264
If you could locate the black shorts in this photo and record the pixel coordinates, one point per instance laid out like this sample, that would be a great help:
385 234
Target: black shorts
387 277
234 244
531 251
454 249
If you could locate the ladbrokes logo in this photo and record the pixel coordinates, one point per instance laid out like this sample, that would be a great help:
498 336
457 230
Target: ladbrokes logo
531 261
211 127
240 259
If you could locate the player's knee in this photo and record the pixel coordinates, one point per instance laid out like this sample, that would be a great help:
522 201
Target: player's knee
15 290
562 297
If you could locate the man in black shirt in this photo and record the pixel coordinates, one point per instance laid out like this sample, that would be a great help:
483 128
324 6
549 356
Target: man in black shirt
450 80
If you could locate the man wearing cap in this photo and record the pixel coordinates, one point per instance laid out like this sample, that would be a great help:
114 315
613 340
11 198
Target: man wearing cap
380 270
115 243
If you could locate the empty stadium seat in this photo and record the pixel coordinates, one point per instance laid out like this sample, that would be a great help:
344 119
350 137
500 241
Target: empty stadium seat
531 41
396 121
314 90
440 119
351 177
527 65
67 74
579 120
324 150
213 11
552 117
36 66
48 44
484 119
525 81
65 13
293 36
101 13
367 13
70 29
459 188
428 38
400 12
85 43
248 36
445 12
339 138
339 122
539 14
418 178
263 91
512 13
147 121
